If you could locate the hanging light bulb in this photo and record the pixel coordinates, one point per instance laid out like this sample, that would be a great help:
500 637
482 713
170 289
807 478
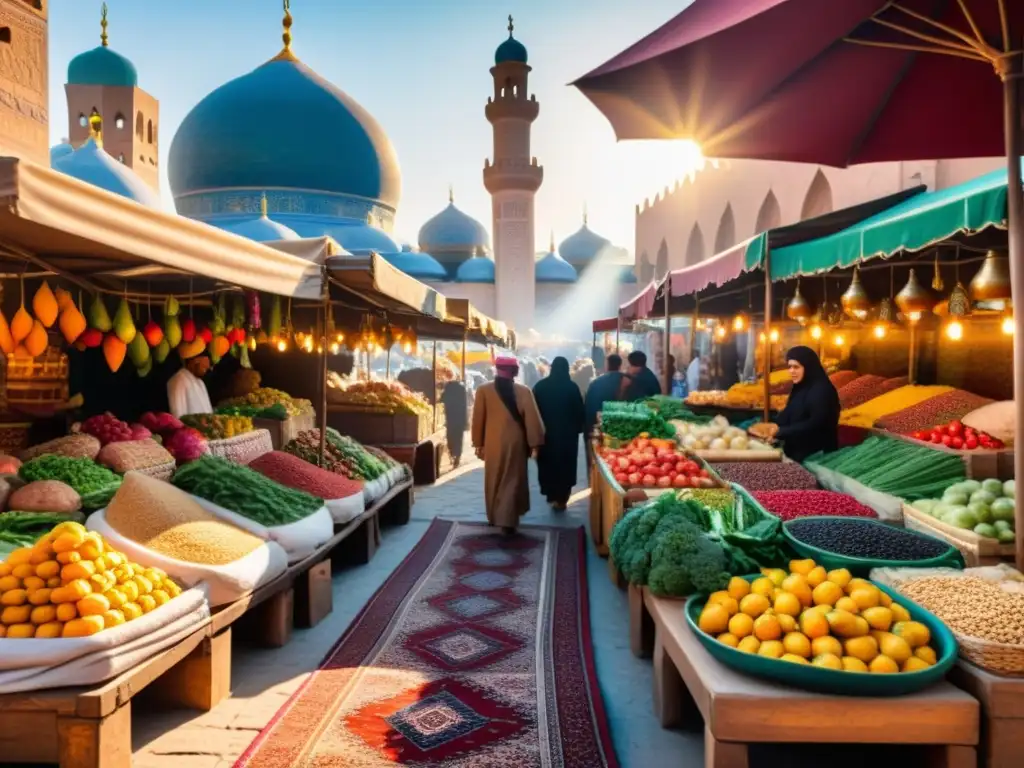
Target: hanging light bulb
954 330
339 338
1007 324
815 331
307 344
838 340
252 343
959 307
739 323
773 335
855 301
720 332
798 309
762 338
880 330
335 348
282 345
407 348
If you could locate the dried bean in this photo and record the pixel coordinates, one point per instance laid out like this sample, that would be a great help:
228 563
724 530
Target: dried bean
865 388
840 379
938 410
971 606
860 538
790 505
766 475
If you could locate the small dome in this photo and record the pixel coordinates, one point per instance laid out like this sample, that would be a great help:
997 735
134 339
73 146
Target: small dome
356 237
628 275
554 269
583 246
479 269
422 266
259 228
91 164
453 230
57 151
102 66
510 49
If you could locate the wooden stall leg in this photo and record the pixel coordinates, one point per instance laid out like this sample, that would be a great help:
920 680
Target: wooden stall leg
616 575
203 678
596 535
723 754
641 626
669 692
364 542
398 509
955 756
314 595
277 619
1004 742
376 530
105 743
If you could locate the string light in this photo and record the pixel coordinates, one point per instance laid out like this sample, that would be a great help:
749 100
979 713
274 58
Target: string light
335 348
720 332
880 331
815 331
914 317
282 345
955 330
774 336
1007 326
839 340
739 323
407 348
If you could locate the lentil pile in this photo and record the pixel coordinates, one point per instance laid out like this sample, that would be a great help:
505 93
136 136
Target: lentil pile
766 475
861 538
168 521
840 379
971 606
790 505
859 391
868 413
244 491
938 410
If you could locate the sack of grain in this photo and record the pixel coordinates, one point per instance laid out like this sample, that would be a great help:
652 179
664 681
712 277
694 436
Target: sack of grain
342 496
45 496
997 420
160 526
80 446
134 454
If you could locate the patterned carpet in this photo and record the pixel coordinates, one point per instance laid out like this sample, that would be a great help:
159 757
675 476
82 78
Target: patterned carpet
475 653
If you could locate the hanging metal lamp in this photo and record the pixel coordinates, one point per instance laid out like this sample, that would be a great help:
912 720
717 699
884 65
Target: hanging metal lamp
937 284
913 300
855 301
798 309
992 283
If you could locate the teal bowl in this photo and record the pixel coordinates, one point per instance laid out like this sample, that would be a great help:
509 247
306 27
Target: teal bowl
835 681
861 566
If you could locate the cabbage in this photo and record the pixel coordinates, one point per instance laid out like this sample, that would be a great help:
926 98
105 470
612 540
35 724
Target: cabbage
984 529
961 517
939 510
995 487
1003 509
1009 489
1001 525
981 511
984 497
1006 537
925 505
967 486
739 443
955 498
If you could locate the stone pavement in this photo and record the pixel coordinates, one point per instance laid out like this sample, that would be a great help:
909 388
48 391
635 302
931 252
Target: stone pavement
263 679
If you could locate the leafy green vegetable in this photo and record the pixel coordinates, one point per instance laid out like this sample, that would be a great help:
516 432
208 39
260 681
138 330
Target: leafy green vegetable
624 421
670 408
95 484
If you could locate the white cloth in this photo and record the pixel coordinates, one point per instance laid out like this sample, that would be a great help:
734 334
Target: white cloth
187 394
693 375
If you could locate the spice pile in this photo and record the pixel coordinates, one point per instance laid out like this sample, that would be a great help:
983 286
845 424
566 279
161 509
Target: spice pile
292 472
864 388
790 505
864 539
265 397
840 379
942 409
866 414
245 492
71 584
766 476
343 455
971 606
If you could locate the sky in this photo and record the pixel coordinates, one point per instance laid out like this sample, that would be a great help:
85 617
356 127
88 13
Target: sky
422 70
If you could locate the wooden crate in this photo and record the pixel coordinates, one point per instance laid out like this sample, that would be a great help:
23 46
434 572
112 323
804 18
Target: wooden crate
1002 713
283 432
977 550
371 428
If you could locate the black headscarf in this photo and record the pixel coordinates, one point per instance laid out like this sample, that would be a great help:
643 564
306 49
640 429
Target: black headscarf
810 421
559 368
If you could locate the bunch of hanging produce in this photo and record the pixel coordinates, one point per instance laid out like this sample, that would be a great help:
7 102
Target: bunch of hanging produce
673 408
985 507
895 467
215 426
265 397
71 583
342 454
677 544
390 397
625 421
26 335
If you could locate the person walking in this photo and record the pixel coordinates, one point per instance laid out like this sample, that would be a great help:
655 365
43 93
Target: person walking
456 413
507 429
561 409
641 381
607 386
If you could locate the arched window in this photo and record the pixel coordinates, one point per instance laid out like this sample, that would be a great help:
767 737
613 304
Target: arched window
139 125
119 122
83 120
818 200
5 35
149 132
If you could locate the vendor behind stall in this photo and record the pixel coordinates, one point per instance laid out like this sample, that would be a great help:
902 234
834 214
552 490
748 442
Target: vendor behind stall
186 392
810 421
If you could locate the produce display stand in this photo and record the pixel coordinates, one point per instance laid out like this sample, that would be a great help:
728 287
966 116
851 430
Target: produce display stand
738 710
1002 713
425 457
979 464
976 550
412 439
284 431
606 504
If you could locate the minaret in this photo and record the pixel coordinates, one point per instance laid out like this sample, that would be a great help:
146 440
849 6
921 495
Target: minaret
513 178
103 83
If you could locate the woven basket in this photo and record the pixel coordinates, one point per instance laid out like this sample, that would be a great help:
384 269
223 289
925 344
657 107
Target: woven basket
160 471
242 449
1001 658
14 438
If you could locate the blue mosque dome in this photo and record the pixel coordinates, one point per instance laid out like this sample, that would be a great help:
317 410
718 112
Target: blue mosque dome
479 269
583 246
422 266
102 66
91 164
260 228
283 127
628 275
57 151
554 269
511 49
453 230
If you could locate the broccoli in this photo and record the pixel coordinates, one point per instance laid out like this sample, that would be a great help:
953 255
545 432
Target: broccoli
629 546
684 560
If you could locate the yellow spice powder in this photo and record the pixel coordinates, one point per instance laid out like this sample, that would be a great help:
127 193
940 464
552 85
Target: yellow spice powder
166 520
905 397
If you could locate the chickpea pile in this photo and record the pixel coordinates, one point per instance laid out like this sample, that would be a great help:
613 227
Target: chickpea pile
72 584
971 606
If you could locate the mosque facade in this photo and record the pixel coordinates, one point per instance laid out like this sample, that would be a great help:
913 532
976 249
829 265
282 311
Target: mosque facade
228 168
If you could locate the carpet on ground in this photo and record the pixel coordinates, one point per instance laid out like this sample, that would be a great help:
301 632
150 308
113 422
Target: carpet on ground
475 653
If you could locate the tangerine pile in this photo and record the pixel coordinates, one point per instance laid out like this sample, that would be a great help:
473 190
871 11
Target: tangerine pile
824 618
71 583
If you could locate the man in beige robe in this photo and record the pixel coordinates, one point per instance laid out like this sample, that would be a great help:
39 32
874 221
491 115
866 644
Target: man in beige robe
507 429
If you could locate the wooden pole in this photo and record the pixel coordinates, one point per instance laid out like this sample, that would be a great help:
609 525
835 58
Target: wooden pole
912 361
387 365
1012 133
326 299
433 392
767 334
464 358
668 336
618 328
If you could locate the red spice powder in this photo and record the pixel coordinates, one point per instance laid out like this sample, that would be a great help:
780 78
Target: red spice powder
292 472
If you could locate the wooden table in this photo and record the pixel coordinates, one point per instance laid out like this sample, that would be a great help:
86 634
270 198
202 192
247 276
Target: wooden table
738 710
1002 713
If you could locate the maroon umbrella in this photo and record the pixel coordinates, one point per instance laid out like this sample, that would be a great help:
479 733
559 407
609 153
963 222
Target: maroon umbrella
836 82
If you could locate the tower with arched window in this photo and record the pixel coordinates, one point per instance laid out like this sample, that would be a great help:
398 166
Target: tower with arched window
513 177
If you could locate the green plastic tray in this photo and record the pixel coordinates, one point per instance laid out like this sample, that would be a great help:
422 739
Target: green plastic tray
834 681
861 566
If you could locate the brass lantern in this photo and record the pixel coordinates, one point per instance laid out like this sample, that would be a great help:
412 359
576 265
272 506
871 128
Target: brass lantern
913 300
992 283
834 315
885 318
855 301
798 309
959 307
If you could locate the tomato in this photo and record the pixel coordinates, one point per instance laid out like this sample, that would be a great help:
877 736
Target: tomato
664 482
956 442
631 469
621 478
681 467
667 467
654 471
971 443
642 445
935 437
649 481
946 440
681 481
955 428
921 435
941 429
704 473
634 478
622 463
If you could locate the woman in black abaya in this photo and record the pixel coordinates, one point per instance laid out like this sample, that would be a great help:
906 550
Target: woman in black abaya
561 408
810 421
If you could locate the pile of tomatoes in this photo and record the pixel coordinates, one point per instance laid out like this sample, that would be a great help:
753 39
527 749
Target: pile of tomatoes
959 437
652 463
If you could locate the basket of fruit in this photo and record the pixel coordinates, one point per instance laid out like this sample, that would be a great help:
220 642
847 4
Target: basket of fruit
779 627
860 544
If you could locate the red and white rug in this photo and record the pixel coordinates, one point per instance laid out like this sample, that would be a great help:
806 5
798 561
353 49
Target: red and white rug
475 653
